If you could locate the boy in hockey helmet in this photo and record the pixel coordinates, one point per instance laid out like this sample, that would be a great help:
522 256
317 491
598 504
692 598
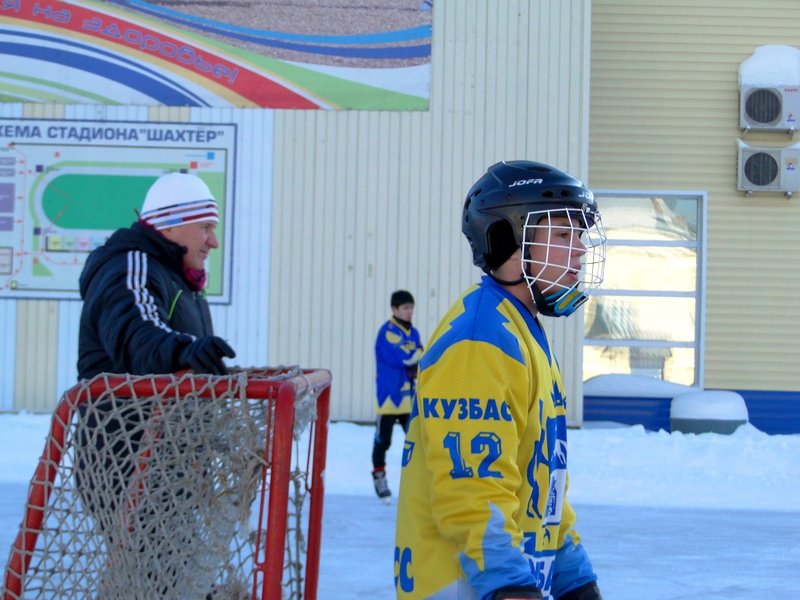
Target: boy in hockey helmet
512 203
482 509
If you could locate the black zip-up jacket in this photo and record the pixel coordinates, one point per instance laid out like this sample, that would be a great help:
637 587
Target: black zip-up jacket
138 312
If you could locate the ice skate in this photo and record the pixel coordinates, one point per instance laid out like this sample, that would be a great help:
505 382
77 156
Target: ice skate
382 486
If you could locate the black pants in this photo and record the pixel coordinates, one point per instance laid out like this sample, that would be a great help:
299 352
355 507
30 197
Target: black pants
109 462
383 437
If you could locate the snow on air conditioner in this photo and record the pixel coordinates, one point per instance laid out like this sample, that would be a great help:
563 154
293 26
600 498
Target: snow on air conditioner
769 90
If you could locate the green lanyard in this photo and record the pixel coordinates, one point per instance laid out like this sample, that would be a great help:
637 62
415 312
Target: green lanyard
173 303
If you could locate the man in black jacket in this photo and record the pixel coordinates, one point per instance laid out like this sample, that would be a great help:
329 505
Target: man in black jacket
144 307
144 312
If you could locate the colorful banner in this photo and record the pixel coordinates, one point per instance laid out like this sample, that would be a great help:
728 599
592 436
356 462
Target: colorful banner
282 54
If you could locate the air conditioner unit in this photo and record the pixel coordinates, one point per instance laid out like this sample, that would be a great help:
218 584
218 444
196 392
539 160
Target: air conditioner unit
768 169
769 108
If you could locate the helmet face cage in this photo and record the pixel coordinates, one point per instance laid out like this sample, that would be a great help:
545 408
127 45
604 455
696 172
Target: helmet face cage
550 240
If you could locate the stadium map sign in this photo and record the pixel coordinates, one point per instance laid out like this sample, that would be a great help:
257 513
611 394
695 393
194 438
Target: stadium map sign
65 186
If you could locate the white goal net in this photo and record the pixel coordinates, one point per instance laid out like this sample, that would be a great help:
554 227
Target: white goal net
178 486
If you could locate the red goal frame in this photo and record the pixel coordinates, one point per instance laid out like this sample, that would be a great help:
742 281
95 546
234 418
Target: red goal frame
269 557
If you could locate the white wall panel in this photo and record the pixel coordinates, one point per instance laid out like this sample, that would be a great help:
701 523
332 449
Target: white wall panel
36 355
112 113
244 322
69 317
8 334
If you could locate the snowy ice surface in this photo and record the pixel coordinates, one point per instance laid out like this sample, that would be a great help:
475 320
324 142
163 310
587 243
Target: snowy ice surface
663 516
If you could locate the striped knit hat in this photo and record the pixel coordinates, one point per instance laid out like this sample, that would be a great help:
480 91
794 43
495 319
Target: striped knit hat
177 199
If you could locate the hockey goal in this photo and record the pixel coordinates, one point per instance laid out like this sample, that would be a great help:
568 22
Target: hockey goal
178 486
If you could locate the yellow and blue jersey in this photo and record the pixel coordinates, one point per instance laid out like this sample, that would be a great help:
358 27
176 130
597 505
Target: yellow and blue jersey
482 501
394 344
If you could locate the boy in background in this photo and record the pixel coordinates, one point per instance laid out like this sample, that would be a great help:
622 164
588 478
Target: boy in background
398 349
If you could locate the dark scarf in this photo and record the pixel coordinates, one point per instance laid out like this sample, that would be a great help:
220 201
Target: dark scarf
194 278
405 324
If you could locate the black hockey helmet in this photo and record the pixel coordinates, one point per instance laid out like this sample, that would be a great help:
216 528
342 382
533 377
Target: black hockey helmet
498 204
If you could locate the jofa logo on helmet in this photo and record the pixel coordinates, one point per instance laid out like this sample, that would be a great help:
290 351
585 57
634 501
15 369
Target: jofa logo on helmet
526 182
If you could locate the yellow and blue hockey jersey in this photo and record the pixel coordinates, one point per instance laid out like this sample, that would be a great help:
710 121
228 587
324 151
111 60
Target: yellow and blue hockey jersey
482 501
395 345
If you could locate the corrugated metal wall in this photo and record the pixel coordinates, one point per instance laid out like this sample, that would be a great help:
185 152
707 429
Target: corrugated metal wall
8 343
368 202
362 203
665 115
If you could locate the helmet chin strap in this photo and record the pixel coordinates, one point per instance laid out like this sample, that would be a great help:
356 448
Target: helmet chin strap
558 304
505 282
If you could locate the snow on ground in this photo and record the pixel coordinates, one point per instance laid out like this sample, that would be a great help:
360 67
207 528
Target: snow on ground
663 516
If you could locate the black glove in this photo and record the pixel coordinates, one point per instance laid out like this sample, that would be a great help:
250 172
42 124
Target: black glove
590 591
204 355
518 592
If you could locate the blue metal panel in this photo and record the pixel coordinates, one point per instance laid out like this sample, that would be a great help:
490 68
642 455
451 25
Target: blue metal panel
652 413
773 412
769 411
